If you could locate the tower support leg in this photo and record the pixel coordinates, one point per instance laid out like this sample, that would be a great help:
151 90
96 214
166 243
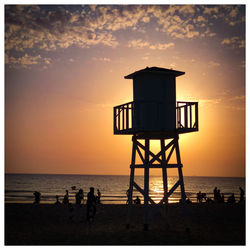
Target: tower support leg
178 157
183 194
131 184
165 182
159 161
146 184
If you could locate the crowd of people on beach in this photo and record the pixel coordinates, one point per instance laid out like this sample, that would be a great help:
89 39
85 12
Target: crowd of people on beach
91 202
218 197
93 199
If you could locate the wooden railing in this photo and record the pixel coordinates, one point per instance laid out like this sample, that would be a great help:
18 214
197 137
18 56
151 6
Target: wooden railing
124 117
186 117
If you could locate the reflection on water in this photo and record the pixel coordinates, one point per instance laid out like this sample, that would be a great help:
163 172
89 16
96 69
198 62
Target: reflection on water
20 188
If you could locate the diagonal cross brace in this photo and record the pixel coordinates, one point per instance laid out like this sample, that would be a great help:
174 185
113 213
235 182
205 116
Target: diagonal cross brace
170 192
140 154
156 157
150 153
170 154
142 192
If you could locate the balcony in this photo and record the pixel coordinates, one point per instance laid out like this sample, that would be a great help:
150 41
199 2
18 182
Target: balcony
187 117
127 118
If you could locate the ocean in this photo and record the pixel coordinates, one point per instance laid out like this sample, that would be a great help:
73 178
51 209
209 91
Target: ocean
19 188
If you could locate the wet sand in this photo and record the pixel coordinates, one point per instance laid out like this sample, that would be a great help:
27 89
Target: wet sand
49 224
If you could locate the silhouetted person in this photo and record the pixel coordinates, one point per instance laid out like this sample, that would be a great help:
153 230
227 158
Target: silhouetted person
218 196
91 204
188 201
199 197
222 198
57 200
98 198
242 194
79 197
231 198
203 196
66 198
137 200
37 197
73 187
215 194
209 200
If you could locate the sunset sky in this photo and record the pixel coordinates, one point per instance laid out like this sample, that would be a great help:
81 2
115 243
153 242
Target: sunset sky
65 68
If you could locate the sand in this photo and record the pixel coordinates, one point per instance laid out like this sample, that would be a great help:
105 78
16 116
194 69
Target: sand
49 224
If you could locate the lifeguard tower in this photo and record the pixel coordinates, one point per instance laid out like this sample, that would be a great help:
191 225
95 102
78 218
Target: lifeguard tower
155 115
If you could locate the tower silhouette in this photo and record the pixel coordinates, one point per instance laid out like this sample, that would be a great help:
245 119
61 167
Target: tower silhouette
154 114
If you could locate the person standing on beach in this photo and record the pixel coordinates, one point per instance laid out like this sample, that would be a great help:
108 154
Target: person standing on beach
79 196
57 200
231 199
37 197
78 208
66 198
91 204
242 193
98 198
215 194
137 200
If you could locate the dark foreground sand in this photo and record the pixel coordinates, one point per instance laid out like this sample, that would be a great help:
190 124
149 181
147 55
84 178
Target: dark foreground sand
48 224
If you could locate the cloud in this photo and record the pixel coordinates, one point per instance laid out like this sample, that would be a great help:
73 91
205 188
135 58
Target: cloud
213 64
102 59
144 44
238 98
211 10
39 28
184 22
201 19
29 26
233 42
210 101
26 61
161 46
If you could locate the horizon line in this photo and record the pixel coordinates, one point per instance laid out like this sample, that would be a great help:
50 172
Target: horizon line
127 175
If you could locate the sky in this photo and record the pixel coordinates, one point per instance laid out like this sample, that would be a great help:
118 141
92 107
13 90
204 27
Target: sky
64 73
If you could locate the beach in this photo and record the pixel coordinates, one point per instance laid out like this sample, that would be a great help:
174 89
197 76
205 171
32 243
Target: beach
50 224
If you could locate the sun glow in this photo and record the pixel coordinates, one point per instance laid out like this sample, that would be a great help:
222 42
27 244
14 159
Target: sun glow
59 96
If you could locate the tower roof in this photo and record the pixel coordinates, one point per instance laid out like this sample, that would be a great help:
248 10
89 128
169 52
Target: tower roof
155 70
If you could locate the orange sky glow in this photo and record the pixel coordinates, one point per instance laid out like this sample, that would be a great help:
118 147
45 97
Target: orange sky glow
64 73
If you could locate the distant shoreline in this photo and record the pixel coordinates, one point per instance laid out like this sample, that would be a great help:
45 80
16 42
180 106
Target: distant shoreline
124 175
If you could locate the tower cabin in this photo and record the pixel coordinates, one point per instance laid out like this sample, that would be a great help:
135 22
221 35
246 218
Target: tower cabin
154 111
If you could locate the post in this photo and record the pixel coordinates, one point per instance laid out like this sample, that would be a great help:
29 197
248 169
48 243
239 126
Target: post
196 115
165 181
190 109
131 182
185 116
146 184
127 117
164 169
132 115
119 127
183 194
178 158
114 113
123 119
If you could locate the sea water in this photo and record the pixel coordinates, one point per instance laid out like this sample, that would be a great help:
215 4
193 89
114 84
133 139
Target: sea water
19 188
